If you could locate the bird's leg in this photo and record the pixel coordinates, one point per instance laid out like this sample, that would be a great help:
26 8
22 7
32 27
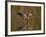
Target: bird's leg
29 21
25 23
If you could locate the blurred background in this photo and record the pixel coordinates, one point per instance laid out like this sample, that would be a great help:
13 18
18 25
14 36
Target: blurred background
20 23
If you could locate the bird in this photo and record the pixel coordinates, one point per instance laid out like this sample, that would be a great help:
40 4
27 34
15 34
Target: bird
25 14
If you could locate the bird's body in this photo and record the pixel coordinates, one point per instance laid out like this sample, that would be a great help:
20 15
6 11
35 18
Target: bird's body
25 14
